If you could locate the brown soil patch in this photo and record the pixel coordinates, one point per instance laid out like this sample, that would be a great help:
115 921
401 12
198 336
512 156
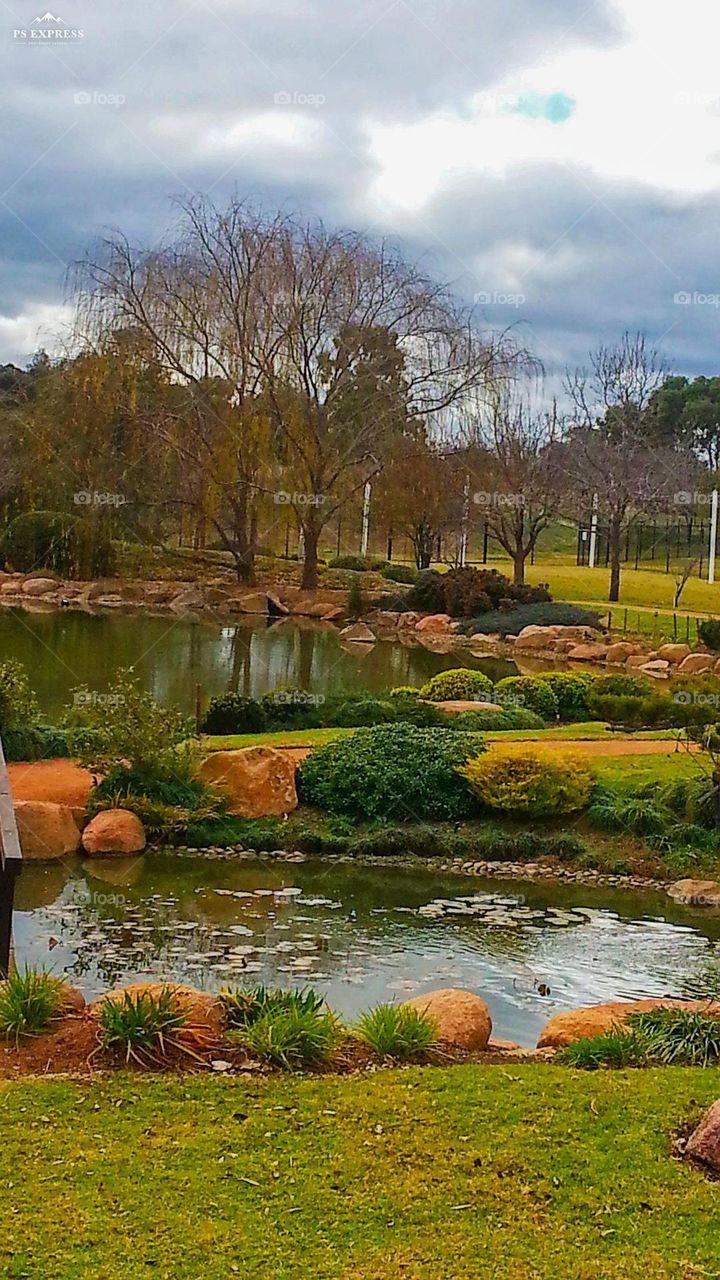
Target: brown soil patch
67 1050
56 781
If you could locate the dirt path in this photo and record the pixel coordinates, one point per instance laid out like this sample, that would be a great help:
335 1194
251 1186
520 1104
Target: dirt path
63 782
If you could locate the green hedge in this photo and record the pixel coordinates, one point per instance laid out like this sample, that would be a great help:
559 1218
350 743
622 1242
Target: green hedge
391 771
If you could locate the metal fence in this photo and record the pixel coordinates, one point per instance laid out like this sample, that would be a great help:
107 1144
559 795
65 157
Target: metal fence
10 865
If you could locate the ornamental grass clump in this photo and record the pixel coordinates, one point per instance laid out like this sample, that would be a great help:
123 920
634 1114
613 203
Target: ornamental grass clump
658 1037
291 1036
618 1047
145 1028
529 781
398 1032
29 1001
245 1006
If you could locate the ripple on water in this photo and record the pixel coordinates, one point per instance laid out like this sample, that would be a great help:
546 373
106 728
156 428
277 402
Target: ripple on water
361 935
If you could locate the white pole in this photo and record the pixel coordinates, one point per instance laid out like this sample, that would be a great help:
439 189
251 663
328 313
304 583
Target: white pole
593 532
713 536
365 534
464 531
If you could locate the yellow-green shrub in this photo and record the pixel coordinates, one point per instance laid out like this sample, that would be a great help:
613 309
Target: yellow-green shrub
528 781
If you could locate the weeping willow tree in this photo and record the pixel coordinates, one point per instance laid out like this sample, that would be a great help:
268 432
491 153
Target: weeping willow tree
302 353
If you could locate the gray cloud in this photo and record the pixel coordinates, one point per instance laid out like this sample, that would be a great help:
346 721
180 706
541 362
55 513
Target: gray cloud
198 84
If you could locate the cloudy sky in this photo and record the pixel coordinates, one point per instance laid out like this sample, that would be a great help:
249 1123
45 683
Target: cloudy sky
557 159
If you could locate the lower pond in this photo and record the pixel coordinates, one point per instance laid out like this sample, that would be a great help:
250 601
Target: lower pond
359 934
173 656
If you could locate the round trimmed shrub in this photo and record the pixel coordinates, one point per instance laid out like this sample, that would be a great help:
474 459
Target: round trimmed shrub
571 689
460 685
530 782
231 713
528 691
390 771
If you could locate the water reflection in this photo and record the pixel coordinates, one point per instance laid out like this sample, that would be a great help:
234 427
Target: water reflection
64 648
359 934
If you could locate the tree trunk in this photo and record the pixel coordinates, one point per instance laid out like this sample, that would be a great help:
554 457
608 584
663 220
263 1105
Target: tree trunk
311 538
615 540
519 567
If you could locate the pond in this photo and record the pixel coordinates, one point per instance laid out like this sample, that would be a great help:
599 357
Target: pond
358 933
62 649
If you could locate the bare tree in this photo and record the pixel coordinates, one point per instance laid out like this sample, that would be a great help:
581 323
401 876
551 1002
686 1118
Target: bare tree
303 351
608 456
521 474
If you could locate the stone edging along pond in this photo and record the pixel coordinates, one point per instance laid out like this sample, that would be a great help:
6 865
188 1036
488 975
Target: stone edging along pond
457 866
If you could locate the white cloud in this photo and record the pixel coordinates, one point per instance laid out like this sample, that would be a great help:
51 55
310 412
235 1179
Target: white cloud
647 110
41 325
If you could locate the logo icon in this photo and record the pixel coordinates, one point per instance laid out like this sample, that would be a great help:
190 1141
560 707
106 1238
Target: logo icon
47 29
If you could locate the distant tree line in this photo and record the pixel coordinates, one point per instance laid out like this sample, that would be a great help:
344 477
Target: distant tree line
256 368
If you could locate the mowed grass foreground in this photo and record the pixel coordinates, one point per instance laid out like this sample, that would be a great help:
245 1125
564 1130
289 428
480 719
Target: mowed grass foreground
527 1172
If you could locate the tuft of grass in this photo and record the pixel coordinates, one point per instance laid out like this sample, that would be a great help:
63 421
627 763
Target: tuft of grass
244 1006
617 1048
29 1001
292 1037
661 1037
679 1037
143 1027
397 1032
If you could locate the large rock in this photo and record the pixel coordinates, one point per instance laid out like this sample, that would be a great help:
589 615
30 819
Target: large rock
619 653
114 831
588 653
538 640
462 1018
695 893
358 631
203 1012
704 1142
695 663
47 831
39 586
434 622
258 781
658 668
407 620
252 602
674 652
599 1018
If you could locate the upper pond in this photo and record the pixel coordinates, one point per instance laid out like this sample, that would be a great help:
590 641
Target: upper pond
172 655
359 934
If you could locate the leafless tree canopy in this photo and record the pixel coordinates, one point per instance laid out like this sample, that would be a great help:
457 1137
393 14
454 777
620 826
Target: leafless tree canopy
303 351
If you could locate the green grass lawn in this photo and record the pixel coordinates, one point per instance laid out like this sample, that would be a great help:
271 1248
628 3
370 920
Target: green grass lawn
590 729
511 1172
